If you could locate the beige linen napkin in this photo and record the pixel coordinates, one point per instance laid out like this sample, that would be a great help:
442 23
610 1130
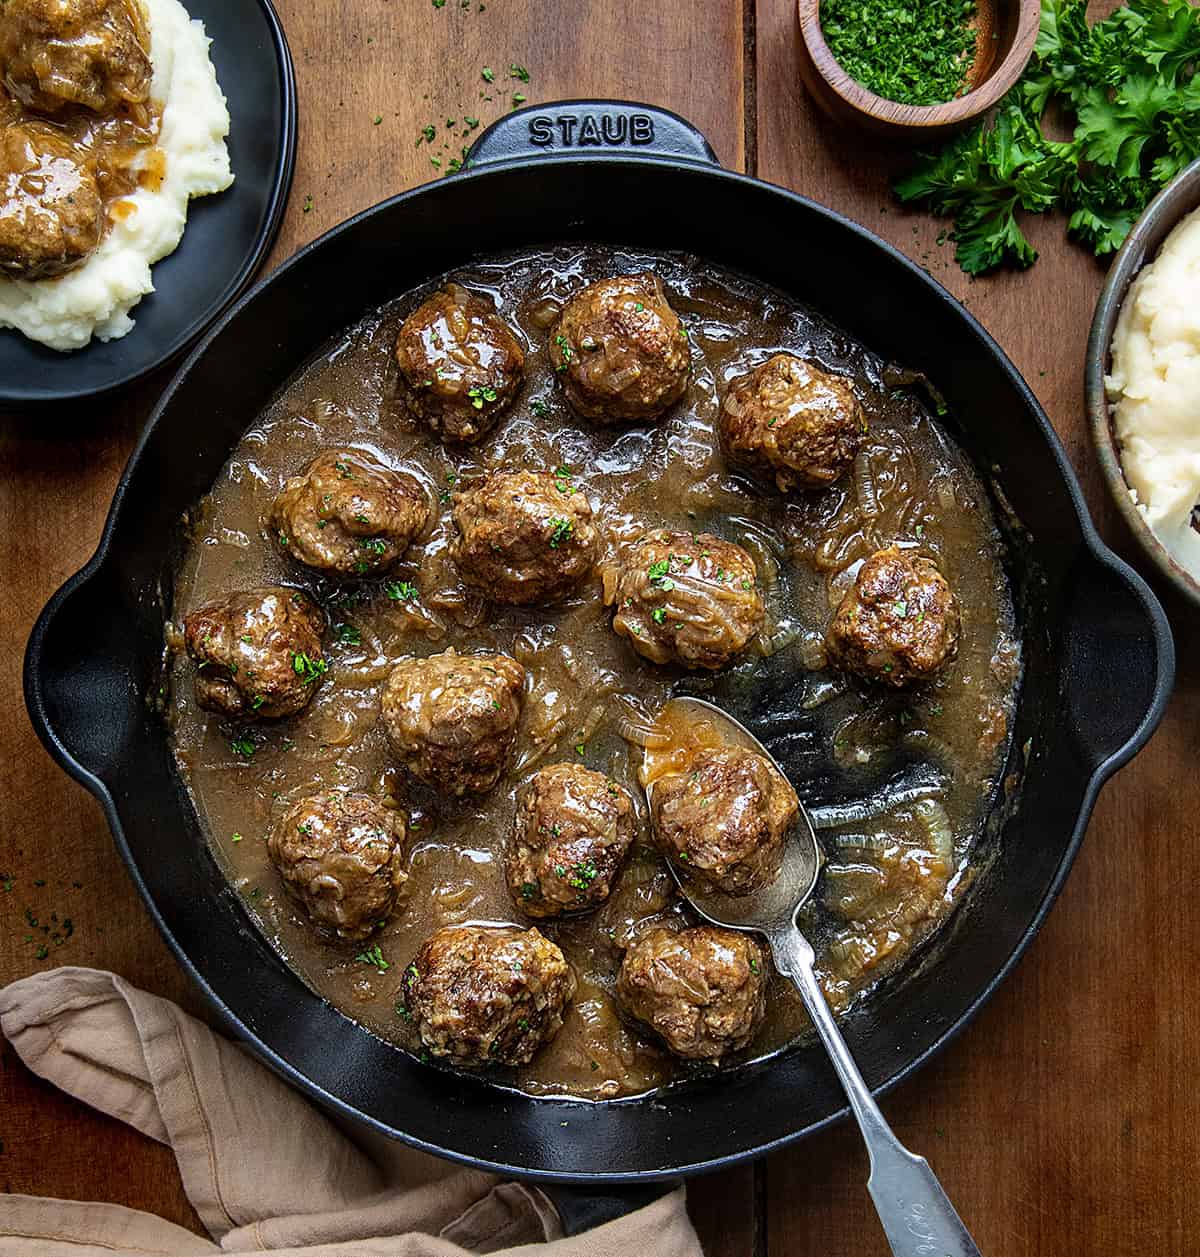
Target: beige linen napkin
265 1170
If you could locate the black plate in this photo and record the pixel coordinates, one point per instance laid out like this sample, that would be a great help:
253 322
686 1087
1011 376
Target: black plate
228 235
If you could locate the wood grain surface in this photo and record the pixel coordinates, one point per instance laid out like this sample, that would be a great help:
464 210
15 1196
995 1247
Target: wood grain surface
1066 1120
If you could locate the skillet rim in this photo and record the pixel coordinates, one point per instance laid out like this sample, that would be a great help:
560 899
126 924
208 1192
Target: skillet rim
1099 552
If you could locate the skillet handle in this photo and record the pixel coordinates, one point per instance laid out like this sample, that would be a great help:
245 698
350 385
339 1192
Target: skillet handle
83 688
1119 662
581 1209
590 129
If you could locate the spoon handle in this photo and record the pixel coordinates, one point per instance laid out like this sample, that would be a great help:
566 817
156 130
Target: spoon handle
916 1214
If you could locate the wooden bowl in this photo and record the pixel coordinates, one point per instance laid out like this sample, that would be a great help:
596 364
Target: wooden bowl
1007 30
1178 199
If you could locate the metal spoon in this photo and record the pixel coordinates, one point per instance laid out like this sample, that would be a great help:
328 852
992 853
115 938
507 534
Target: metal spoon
917 1216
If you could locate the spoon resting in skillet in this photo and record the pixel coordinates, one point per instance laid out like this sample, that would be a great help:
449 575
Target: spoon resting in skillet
916 1213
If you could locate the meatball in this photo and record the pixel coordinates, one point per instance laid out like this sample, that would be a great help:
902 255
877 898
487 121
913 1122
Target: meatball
451 719
524 536
485 994
51 214
685 598
793 422
620 350
258 653
726 818
348 513
59 53
702 990
341 857
460 364
899 623
572 830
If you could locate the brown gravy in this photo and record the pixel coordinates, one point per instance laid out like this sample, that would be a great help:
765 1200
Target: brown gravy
901 783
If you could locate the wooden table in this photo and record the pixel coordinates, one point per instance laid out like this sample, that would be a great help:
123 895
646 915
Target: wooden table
1065 1121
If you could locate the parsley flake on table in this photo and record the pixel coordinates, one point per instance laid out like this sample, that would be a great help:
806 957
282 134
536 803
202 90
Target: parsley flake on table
1128 84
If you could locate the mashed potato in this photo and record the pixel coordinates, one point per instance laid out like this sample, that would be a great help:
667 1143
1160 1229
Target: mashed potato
96 299
1154 388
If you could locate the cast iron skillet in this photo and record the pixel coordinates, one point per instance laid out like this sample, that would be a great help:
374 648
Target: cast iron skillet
1100 658
228 235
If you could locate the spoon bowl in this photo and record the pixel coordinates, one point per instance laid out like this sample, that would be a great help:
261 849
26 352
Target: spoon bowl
774 907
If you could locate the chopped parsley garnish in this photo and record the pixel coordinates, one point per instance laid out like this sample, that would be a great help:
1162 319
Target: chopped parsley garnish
900 610
306 208
584 874
376 545
245 746
349 634
236 837
488 74
659 615
560 531
401 591
561 341
562 480
480 396
311 670
518 72
917 53
373 956
538 408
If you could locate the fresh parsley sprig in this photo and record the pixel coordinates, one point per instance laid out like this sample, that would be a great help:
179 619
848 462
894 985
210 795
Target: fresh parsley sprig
1129 84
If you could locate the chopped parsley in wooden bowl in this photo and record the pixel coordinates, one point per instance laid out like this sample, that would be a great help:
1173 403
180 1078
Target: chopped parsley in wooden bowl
913 69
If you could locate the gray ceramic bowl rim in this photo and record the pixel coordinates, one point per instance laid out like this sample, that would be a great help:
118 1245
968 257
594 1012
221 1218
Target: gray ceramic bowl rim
1173 203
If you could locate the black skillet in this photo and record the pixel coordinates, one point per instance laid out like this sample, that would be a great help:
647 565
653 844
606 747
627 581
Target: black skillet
228 235
1100 658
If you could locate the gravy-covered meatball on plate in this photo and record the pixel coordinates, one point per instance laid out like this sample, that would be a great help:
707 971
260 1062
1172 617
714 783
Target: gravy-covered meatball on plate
792 422
572 830
341 858
51 214
487 995
460 364
258 653
724 817
452 719
58 53
349 514
620 351
524 537
686 598
703 990
899 623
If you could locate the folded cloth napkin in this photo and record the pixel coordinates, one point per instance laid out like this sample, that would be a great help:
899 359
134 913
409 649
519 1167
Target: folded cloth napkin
265 1170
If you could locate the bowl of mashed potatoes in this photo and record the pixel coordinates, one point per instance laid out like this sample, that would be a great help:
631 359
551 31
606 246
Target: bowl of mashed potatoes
1143 381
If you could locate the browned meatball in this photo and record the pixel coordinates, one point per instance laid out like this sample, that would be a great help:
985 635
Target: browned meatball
341 857
258 652
348 513
460 364
899 623
57 53
485 995
685 598
725 818
620 350
791 421
524 536
702 990
451 719
572 830
51 214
